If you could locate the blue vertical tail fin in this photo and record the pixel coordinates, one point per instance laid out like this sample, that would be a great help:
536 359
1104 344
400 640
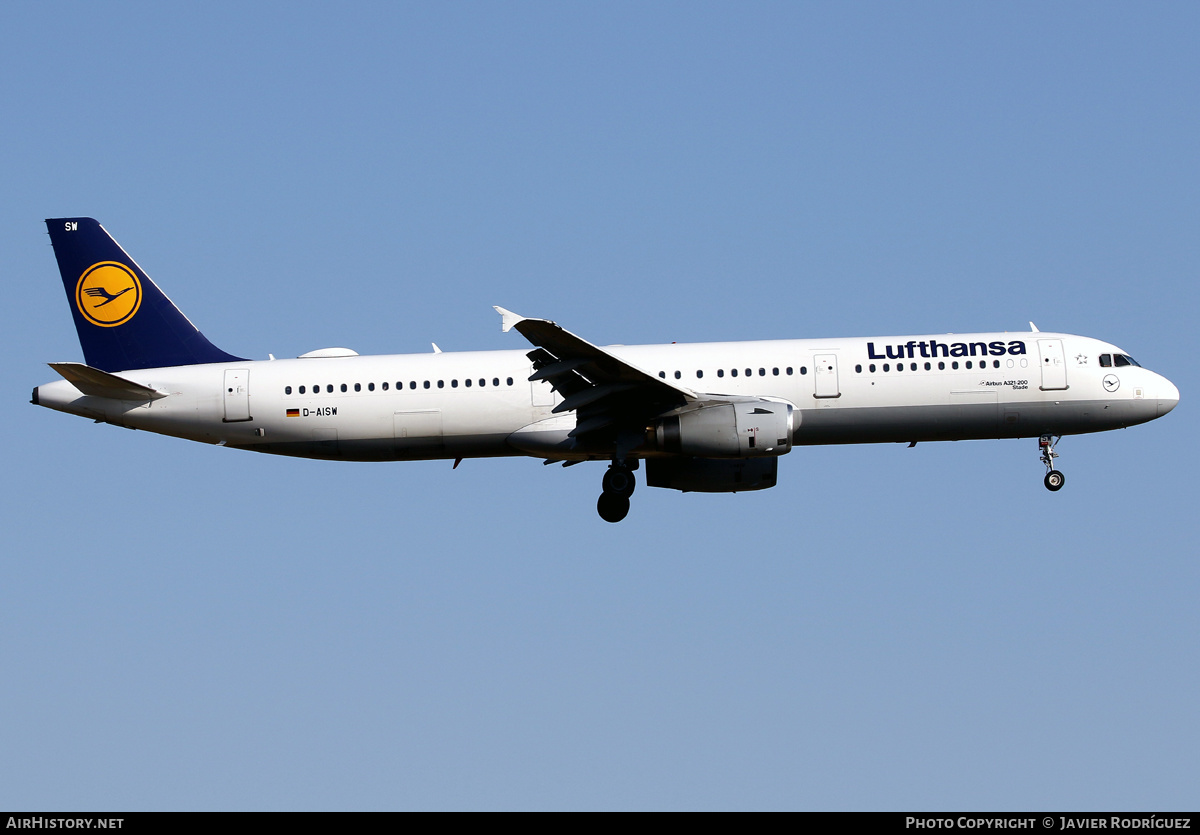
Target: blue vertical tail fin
124 321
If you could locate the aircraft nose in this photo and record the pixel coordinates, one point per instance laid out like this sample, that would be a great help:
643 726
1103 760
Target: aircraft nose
1168 397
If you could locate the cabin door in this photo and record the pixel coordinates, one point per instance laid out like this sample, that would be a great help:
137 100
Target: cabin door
237 395
825 376
1054 364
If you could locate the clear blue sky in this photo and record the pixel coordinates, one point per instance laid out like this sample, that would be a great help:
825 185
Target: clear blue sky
186 627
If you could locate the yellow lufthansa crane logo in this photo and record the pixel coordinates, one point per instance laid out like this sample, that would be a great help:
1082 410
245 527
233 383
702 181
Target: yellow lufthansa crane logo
108 294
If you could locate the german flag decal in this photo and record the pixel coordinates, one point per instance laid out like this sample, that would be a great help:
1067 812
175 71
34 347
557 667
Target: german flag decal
293 413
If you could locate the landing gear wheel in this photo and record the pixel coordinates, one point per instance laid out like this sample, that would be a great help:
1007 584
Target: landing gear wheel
619 481
612 507
1054 478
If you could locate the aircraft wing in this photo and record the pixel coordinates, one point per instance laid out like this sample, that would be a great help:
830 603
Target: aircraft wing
611 397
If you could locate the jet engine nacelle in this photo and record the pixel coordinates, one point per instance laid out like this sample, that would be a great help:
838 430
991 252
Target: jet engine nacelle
709 475
745 429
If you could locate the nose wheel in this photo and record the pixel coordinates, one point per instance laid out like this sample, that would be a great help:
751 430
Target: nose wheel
619 483
1054 480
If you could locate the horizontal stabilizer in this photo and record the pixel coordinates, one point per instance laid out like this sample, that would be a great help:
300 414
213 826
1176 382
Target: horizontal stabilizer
97 383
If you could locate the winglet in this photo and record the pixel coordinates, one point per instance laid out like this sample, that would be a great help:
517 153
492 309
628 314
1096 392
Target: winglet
1033 328
507 318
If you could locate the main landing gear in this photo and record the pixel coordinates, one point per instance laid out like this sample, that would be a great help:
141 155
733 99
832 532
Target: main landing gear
619 483
1054 478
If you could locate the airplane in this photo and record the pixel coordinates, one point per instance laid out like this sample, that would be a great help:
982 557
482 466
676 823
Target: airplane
711 417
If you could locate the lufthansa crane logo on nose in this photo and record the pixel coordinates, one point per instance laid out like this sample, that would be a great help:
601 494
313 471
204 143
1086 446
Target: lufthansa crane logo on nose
1111 383
108 294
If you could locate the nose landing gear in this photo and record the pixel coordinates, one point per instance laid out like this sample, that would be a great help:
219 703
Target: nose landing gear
1054 480
619 483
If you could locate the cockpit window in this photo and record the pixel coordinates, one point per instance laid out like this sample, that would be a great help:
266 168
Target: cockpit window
1106 360
1125 359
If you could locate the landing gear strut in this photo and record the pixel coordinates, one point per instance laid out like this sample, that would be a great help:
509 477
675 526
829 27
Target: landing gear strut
619 483
1054 478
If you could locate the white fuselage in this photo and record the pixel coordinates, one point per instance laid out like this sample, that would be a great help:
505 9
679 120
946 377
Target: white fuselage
480 404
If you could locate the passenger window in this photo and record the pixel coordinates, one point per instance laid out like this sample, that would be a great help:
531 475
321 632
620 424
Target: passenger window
774 372
454 384
358 386
343 386
887 367
482 382
858 369
678 375
954 365
329 388
509 380
467 382
762 372
413 384
871 368
441 384
803 370
720 372
928 367
699 375
912 366
287 389
941 366
899 366
384 386
733 372
371 386
968 364
495 381
662 374
426 384
788 371
749 372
